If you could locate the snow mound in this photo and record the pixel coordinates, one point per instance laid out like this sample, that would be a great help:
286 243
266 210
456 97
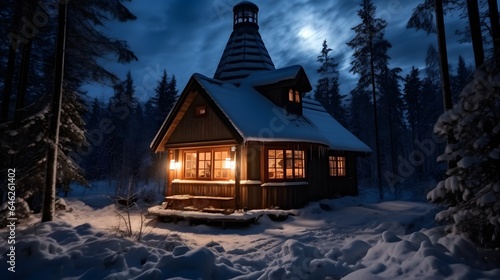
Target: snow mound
356 239
56 249
415 256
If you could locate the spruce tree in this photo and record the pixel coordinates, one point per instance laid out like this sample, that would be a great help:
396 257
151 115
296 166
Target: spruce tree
164 99
391 117
461 78
471 190
361 112
413 98
370 61
327 87
85 45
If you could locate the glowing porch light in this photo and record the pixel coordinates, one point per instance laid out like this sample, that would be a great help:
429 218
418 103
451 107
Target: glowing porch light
173 164
227 163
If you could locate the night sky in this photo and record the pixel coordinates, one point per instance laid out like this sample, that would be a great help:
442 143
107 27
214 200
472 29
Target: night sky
185 37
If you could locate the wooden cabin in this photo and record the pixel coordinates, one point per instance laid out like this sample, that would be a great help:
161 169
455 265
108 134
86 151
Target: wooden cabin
248 138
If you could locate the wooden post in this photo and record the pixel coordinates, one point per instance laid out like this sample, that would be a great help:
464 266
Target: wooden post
237 175
49 193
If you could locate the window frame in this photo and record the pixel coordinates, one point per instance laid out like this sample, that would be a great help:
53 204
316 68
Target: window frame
199 167
292 168
337 166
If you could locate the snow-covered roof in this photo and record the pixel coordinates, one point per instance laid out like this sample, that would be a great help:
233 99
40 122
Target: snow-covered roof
256 118
272 77
339 138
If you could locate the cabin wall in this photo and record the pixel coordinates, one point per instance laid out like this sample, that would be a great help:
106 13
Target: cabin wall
206 189
251 196
253 162
317 185
345 185
318 175
194 128
285 197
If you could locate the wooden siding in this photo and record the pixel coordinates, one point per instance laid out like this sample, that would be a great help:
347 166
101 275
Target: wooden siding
253 162
320 184
251 196
207 189
200 129
286 197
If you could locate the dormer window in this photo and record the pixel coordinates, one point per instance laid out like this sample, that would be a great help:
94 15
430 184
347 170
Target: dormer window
294 96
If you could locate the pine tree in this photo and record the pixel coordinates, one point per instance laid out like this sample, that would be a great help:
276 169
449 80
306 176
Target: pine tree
391 116
361 110
84 46
121 107
160 106
462 77
413 97
327 87
370 61
164 99
93 158
432 101
471 191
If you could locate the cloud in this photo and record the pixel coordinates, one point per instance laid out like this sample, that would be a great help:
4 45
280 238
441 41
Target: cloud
185 37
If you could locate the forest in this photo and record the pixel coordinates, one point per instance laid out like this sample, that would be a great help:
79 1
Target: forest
435 132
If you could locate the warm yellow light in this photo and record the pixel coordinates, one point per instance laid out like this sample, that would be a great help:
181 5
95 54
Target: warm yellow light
172 164
227 163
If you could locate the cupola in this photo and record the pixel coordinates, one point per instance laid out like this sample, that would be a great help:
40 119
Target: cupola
245 52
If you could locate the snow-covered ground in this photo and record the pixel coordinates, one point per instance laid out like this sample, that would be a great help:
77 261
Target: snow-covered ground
350 237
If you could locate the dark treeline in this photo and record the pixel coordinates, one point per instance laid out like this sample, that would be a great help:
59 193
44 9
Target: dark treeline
27 53
434 132
408 107
119 131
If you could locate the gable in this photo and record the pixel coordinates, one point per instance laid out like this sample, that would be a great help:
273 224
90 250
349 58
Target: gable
200 123
186 133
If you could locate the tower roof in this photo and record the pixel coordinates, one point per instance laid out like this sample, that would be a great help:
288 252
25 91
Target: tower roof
245 52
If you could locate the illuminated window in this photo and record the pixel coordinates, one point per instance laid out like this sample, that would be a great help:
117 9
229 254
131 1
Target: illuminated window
285 164
204 165
337 166
275 164
290 95
208 164
293 96
190 165
298 164
222 164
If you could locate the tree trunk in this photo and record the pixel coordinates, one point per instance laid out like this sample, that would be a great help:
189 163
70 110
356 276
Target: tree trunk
445 72
23 82
375 116
475 31
495 28
443 56
49 192
7 90
11 62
